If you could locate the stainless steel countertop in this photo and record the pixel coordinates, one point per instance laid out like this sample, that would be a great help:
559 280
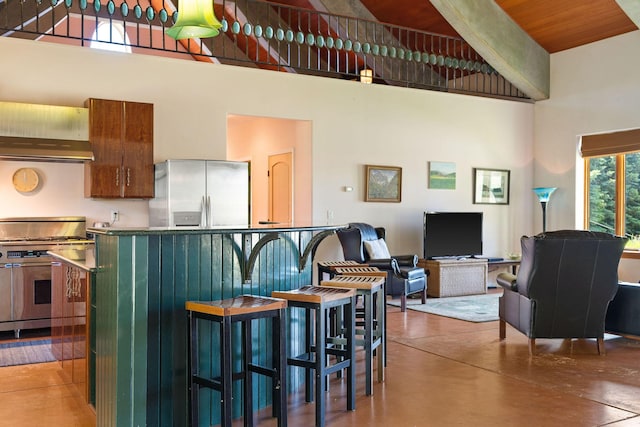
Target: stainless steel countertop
82 258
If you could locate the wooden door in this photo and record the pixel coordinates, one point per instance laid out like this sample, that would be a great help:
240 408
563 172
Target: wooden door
137 150
103 175
281 188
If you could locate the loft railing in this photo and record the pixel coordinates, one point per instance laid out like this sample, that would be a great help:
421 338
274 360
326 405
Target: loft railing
269 36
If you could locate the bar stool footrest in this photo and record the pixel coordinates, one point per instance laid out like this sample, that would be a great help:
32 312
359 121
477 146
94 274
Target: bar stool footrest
310 364
212 383
263 370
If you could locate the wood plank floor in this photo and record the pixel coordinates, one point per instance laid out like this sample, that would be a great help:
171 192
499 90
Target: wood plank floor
441 372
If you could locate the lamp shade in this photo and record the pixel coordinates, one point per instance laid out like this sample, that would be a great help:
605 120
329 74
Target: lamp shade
195 20
544 193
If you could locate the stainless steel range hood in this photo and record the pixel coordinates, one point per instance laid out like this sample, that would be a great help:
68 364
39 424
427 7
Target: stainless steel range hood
44 133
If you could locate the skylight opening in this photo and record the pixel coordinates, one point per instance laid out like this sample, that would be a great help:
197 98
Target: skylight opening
111 36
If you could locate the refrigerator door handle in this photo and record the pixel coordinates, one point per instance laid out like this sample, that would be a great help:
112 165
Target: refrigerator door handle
203 212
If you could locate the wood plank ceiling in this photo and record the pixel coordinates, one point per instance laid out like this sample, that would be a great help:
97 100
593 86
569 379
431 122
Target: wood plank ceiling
554 24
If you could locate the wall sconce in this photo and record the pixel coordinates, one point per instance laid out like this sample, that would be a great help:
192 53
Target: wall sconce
196 19
366 76
544 193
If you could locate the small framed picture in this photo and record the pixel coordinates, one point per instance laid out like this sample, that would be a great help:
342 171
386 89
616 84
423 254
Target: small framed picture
383 184
491 186
442 175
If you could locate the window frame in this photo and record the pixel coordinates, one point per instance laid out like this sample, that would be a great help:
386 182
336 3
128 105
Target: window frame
620 199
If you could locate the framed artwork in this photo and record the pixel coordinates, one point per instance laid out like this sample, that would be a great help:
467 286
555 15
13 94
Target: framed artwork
442 175
383 183
491 186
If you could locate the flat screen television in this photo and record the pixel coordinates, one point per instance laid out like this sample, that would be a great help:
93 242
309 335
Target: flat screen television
452 234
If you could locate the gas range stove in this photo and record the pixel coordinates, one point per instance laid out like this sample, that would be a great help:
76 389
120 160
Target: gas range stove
30 238
35 248
25 266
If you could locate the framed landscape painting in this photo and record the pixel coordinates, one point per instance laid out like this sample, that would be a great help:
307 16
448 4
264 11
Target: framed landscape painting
442 175
383 183
491 186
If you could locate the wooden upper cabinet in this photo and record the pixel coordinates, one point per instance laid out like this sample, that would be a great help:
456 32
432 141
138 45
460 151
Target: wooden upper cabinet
121 136
137 150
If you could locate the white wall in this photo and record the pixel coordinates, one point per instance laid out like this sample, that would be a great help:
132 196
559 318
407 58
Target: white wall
352 125
594 88
61 193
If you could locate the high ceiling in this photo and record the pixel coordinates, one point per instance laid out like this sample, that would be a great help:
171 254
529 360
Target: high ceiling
511 39
556 25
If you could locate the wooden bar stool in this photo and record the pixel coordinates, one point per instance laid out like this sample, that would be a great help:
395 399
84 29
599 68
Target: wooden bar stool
242 309
319 343
365 270
373 325
329 267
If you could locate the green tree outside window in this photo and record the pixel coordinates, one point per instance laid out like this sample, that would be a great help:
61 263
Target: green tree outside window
603 203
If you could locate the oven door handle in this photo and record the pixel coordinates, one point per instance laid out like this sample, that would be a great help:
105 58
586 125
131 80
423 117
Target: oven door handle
32 264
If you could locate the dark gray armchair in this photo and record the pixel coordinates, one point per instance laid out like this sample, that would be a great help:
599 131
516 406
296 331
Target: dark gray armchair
403 276
565 283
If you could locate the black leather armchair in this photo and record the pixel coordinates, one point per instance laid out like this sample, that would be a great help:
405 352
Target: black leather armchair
403 276
623 315
563 287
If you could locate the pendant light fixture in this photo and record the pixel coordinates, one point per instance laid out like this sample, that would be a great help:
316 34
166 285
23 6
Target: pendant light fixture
196 19
366 76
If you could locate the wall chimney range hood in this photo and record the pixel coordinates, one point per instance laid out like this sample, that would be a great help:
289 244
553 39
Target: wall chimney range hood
44 133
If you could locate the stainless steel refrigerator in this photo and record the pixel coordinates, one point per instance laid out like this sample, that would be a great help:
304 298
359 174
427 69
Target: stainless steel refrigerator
200 193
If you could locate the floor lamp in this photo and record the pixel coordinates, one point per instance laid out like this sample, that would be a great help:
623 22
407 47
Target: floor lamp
544 193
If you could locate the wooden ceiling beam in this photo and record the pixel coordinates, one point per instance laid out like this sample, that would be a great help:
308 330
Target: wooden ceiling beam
357 9
632 9
501 42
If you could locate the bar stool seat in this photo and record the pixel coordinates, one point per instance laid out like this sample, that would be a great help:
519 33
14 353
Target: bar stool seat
330 267
371 288
359 270
243 309
320 344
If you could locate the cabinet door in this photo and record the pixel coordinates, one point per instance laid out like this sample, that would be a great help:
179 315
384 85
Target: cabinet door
103 175
137 150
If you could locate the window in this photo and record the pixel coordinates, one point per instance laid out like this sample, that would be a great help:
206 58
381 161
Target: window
601 194
612 184
111 36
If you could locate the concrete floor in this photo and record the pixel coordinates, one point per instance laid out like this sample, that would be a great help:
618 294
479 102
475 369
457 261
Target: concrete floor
441 372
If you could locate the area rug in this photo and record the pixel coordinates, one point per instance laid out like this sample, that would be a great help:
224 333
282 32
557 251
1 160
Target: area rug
26 352
472 308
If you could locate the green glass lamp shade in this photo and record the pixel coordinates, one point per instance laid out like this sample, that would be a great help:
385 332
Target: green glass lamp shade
195 20
544 193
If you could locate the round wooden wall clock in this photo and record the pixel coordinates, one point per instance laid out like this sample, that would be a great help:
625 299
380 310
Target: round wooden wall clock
26 180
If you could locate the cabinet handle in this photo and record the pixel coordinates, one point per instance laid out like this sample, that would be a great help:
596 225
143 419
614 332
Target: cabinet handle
128 176
117 177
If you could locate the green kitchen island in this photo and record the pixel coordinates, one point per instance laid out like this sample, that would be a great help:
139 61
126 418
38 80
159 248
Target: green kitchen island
144 277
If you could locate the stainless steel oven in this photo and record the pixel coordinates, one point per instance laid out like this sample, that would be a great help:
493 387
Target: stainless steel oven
31 287
25 267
